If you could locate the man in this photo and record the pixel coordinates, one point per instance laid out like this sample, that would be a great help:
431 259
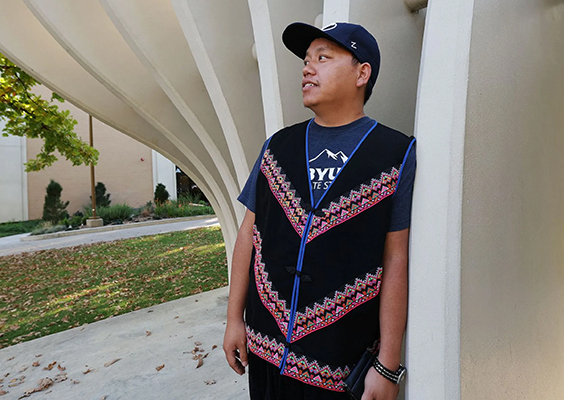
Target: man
320 261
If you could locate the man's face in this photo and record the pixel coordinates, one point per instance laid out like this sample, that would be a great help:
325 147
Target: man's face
329 77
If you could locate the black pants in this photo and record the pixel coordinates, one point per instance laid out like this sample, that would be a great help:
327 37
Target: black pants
266 383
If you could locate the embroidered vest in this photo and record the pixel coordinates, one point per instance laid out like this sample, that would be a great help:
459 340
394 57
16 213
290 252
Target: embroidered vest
315 273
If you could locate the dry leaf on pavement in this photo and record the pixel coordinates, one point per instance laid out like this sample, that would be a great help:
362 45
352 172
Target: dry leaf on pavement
111 362
160 367
210 382
41 385
50 366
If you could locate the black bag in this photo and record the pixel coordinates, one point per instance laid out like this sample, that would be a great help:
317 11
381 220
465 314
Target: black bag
354 383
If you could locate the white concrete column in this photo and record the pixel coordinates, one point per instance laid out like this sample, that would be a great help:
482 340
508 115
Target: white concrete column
268 69
164 171
13 178
335 11
433 336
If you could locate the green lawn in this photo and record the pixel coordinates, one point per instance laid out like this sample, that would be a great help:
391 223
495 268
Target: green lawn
15 228
53 290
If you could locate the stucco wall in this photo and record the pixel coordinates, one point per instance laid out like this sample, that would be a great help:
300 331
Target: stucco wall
124 166
512 324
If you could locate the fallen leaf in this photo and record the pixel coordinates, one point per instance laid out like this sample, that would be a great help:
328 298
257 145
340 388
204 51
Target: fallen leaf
214 347
148 333
61 377
42 385
50 366
111 362
210 382
3 392
10 359
38 355
87 371
198 343
74 382
160 367
35 364
61 368
200 362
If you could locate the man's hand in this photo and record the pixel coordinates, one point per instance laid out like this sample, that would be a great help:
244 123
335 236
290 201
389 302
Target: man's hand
376 387
235 346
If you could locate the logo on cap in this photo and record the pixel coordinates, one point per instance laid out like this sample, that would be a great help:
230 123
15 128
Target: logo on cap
353 45
330 26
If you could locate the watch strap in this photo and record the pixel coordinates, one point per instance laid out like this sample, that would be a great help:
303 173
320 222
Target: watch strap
394 376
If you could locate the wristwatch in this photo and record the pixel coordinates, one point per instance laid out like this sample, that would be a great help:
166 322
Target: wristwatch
393 376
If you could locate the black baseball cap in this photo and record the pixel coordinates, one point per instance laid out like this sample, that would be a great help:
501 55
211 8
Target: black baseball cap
298 36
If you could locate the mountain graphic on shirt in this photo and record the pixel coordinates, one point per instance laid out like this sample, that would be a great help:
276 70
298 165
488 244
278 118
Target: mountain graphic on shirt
330 155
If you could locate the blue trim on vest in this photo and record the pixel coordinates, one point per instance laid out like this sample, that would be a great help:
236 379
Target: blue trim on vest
403 165
338 173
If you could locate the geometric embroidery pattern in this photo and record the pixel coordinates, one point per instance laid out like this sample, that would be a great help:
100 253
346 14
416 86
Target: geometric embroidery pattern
322 314
284 192
314 373
265 346
355 202
268 294
350 205
319 314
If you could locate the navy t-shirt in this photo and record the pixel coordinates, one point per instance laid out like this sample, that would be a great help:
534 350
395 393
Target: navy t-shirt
329 148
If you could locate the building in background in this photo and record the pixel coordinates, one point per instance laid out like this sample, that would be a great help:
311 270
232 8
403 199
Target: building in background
129 170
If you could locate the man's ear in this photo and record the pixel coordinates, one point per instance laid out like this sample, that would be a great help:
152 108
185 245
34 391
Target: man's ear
364 72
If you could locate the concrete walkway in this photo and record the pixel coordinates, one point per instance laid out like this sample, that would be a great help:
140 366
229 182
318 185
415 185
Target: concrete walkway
15 244
176 328
143 340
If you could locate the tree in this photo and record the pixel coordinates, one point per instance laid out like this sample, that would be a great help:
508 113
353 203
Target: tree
54 210
161 194
29 115
102 199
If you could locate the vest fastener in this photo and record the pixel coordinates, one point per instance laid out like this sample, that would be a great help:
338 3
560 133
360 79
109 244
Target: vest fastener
303 276
294 348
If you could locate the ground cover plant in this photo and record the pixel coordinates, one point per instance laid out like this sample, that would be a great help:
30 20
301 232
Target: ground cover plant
15 228
53 290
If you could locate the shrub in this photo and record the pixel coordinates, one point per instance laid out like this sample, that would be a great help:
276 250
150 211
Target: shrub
113 214
161 194
16 228
102 199
48 227
174 209
54 209
73 222
189 198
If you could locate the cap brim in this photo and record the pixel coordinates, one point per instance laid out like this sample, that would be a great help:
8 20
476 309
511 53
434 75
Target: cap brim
298 36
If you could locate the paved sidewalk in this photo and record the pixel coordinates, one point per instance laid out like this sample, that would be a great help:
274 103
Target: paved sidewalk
14 244
176 328
166 334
